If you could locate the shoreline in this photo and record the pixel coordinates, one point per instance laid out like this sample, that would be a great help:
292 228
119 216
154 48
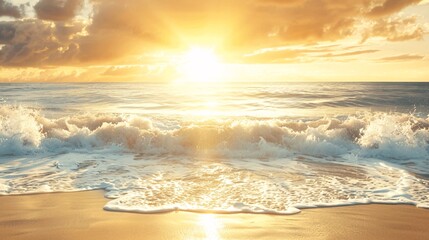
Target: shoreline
220 212
80 215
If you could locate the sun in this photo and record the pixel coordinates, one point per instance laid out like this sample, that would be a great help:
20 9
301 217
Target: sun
200 65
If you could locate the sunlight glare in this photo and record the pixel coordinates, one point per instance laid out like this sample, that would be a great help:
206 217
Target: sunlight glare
201 65
211 226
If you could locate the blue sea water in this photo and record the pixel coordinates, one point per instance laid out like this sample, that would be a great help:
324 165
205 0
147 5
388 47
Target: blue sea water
244 147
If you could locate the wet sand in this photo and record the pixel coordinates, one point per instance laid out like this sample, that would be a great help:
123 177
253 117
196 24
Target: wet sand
81 216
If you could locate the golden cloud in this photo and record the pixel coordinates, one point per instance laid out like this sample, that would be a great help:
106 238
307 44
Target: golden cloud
119 30
404 57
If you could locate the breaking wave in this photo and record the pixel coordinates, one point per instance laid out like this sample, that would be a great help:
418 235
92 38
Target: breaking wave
383 135
260 166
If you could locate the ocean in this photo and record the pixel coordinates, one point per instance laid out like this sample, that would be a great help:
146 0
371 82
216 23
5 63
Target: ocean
225 148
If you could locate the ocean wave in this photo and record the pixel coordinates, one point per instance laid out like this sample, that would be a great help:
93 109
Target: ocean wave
383 135
152 185
259 166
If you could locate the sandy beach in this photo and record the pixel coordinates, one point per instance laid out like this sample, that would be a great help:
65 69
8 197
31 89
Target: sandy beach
188 120
81 216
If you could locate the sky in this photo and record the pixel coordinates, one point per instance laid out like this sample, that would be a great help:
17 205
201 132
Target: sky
250 40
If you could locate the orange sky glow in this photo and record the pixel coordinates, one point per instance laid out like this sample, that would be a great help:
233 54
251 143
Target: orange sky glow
235 40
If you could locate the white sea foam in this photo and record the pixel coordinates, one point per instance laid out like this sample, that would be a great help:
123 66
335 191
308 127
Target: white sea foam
229 165
381 135
161 184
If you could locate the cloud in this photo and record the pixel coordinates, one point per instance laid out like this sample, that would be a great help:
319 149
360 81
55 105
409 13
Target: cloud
68 74
287 55
57 10
38 43
310 21
122 31
7 33
405 57
398 29
391 6
9 10
149 73
346 54
126 70
302 54
234 26
139 26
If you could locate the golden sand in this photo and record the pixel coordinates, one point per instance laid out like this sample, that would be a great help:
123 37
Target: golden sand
80 216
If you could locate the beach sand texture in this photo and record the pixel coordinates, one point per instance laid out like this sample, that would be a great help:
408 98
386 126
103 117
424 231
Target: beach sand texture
63 216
